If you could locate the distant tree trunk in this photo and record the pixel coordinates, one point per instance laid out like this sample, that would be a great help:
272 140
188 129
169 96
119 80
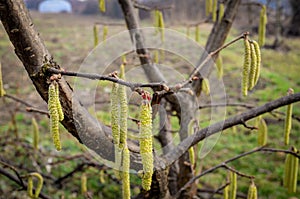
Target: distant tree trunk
278 27
294 28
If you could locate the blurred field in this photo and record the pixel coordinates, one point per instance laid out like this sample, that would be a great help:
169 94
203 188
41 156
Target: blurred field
70 39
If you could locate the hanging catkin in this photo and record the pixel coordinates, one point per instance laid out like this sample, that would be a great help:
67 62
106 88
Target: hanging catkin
208 7
54 116
252 191
221 11
253 67
262 26
258 61
161 26
226 192
59 108
39 185
123 109
246 66
262 132
35 134
219 64
197 34
102 7
104 33
288 120
125 174
205 86
96 35
188 32
191 149
291 171
214 10
83 184
2 91
233 185
146 141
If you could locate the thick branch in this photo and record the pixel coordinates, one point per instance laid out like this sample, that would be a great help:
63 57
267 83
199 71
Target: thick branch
217 127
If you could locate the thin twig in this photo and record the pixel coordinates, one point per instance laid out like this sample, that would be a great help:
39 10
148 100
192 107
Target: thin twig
226 104
31 109
247 126
210 55
231 160
238 172
219 189
93 76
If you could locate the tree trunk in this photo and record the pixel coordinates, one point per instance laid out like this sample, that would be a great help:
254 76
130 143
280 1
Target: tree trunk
294 28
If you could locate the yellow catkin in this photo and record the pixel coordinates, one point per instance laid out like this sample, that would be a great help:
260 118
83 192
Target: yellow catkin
262 26
252 191
253 67
96 35
191 150
83 184
156 21
125 175
104 33
287 171
221 11
288 120
246 66
36 134
219 64
39 184
205 86
102 7
214 10
115 117
123 109
54 117
295 172
30 187
115 127
208 7
161 26
124 60
197 34
262 133
226 192
146 143
59 108
233 185
102 177
258 61
2 91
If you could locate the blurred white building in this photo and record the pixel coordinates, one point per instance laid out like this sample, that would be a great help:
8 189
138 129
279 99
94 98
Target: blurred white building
55 6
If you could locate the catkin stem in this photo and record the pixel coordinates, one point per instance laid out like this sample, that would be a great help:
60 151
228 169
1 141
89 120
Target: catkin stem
233 185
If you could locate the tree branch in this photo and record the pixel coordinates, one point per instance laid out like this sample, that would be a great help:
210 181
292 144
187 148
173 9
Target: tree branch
260 149
235 120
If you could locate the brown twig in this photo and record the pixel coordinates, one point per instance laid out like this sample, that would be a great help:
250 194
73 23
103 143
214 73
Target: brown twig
260 149
210 55
31 109
247 126
238 172
93 76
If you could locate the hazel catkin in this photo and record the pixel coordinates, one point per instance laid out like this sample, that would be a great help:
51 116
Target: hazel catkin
146 142
246 66
125 174
54 116
288 120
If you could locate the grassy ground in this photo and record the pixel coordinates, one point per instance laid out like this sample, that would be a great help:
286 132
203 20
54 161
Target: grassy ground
70 39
